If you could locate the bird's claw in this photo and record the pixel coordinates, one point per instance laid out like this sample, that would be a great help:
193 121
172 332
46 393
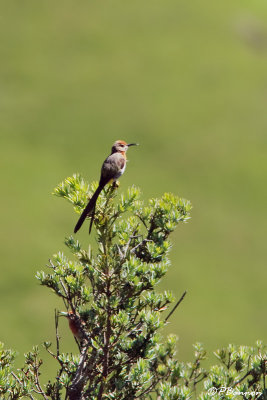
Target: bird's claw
116 184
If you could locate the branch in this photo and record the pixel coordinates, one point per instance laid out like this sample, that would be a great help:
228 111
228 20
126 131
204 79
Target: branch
37 383
76 387
140 244
65 290
106 345
16 377
20 383
57 335
174 308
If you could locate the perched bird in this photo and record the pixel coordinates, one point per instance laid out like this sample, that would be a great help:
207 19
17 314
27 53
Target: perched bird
113 167
75 324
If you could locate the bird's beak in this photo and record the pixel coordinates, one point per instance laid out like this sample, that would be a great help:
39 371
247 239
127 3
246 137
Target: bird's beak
132 144
63 314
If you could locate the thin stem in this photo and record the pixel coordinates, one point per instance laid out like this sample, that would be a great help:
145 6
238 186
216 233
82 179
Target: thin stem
20 383
176 305
106 344
244 377
37 382
57 334
16 377
140 244
75 389
64 288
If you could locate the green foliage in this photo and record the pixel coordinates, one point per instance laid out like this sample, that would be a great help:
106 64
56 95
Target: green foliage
24 382
116 313
187 83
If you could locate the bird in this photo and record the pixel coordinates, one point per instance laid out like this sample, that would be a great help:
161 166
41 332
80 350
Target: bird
75 323
113 167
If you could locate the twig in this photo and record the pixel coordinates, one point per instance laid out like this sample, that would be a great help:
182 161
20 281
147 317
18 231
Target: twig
142 220
120 252
140 244
51 353
74 391
106 348
176 305
57 335
153 384
37 382
244 377
16 377
64 288
133 236
21 384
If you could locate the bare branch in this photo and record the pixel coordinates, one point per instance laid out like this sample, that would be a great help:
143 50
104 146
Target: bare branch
57 334
176 305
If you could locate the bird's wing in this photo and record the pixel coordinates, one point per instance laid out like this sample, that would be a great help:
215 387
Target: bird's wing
111 168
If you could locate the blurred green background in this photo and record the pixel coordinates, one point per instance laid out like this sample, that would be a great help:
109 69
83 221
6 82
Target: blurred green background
188 81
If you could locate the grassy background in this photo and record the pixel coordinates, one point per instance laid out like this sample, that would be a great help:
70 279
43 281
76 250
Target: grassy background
188 81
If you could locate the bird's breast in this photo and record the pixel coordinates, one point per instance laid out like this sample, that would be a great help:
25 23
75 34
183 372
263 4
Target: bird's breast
113 167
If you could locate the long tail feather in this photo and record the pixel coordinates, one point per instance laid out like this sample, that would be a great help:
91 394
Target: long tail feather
90 206
92 220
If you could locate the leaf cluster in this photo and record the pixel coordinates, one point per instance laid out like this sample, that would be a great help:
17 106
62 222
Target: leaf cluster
116 313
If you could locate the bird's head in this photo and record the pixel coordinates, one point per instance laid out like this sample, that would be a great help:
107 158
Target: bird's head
69 314
121 146
75 323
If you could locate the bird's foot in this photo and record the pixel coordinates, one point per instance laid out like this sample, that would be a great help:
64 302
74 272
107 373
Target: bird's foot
116 184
